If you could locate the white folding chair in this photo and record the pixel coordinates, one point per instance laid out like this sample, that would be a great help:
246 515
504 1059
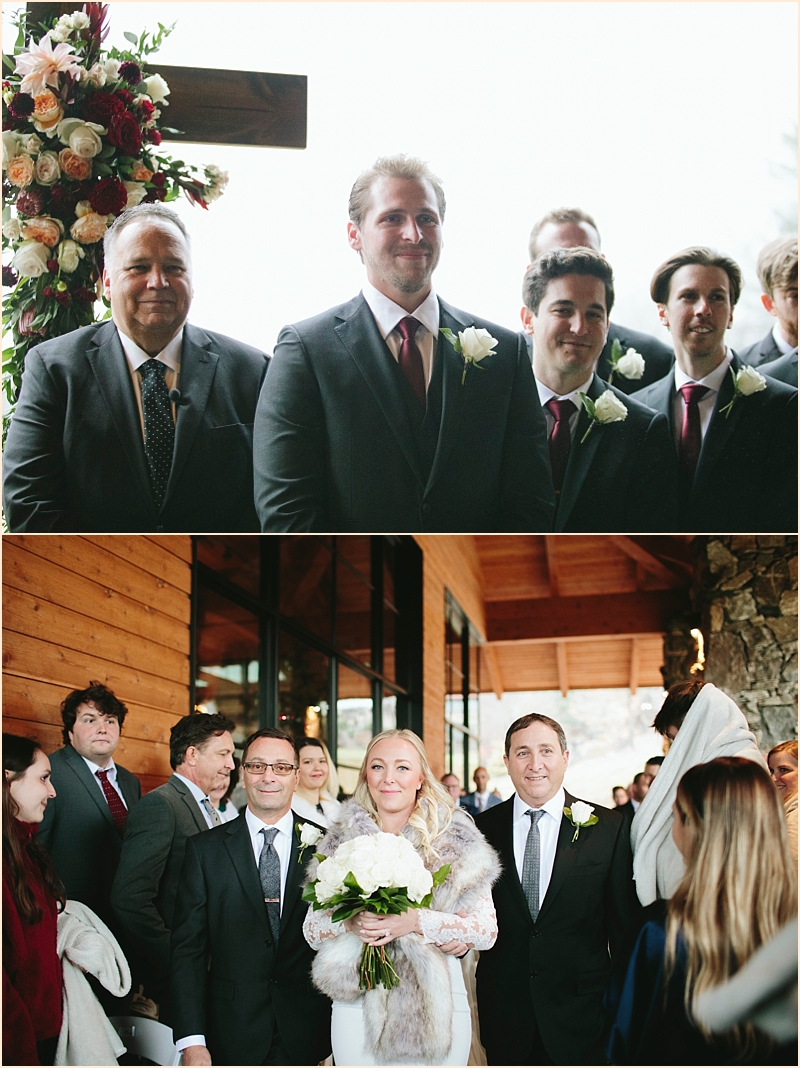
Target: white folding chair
147 1038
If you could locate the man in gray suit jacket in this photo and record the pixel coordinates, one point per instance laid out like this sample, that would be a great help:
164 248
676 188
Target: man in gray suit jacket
83 824
143 423
371 420
146 884
777 273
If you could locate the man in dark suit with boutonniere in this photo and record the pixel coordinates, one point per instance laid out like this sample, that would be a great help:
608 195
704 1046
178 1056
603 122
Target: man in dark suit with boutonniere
735 429
241 968
141 424
777 273
564 902
613 462
372 419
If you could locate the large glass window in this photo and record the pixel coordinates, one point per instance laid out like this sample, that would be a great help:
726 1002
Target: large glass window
462 694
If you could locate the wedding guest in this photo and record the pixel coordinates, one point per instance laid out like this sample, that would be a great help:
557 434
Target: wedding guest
426 1019
612 459
703 723
738 889
575 228
728 422
32 897
316 796
481 798
620 796
782 764
636 794
653 766
369 410
777 273
220 796
453 786
141 423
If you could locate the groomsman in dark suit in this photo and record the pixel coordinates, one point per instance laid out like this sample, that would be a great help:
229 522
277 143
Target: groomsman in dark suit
143 423
241 968
614 470
784 369
735 430
575 228
146 884
777 273
370 420
564 902
83 824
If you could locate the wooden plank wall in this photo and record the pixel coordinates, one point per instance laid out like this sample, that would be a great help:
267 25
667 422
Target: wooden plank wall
113 609
450 562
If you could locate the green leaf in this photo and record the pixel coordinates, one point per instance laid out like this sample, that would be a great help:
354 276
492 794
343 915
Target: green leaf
130 37
451 337
588 404
440 875
616 350
102 170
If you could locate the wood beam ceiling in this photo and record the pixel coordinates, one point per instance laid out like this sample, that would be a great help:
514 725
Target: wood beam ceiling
646 559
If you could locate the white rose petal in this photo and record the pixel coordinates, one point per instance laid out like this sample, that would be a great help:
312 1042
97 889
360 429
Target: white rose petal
476 343
70 254
96 75
309 834
30 143
609 408
48 170
748 381
111 69
137 191
631 365
83 207
80 20
85 141
11 148
12 229
157 89
31 259
581 811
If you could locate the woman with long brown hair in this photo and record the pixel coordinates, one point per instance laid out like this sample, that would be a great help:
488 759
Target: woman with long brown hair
738 890
32 896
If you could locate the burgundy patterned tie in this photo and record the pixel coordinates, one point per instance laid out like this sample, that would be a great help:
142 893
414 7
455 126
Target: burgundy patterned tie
410 358
560 439
118 811
691 437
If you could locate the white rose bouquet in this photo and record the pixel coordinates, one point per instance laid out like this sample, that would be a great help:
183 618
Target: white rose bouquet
608 408
474 344
382 873
629 364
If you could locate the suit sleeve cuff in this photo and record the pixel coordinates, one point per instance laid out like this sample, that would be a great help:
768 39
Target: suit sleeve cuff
192 1040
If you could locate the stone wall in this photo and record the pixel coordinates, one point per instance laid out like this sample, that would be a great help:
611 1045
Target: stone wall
746 593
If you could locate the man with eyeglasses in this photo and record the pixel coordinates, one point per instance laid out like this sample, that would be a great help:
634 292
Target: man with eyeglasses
241 968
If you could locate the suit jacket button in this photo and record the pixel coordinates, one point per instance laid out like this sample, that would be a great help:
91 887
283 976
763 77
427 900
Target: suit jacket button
534 974
535 933
426 509
268 943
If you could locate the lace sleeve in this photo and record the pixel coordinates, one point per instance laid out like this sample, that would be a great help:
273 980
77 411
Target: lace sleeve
479 929
319 928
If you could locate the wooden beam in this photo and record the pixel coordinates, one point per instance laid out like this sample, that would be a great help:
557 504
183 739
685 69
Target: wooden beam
552 564
634 683
495 674
636 550
549 618
563 668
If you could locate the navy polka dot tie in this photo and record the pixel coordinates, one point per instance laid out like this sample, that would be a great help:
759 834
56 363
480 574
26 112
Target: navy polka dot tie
159 429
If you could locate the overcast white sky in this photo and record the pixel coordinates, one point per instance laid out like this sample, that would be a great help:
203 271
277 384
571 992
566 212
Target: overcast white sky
664 120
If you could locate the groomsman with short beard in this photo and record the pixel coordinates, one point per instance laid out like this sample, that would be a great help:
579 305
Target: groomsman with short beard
735 429
614 469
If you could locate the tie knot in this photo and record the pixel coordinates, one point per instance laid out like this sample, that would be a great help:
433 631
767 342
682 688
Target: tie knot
102 774
692 393
269 834
152 367
561 409
407 327
535 814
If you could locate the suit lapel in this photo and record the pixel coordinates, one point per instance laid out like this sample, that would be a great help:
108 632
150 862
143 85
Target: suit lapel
506 851
581 455
295 874
240 849
566 854
192 806
361 337
78 765
111 371
455 396
720 429
198 367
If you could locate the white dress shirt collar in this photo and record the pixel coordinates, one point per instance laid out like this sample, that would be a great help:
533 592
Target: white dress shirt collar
780 341
170 354
282 841
199 797
110 767
554 807
388 314
712 381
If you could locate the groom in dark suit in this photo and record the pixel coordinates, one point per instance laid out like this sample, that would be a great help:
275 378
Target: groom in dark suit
370 420
735 429
241 968
615 472
141 424
564 902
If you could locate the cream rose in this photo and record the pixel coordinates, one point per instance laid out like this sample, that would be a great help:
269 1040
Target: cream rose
309 834
20 171
31 259
48 170
111 69
70 255
581 811
47 111
43 229
89 228
83 207
609 408
748 381
73 166
157 89
476 344
12 229
95 75
136 194
11 147
631 365
85 141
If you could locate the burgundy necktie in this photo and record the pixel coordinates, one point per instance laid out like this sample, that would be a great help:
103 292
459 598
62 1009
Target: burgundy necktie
691 437
118 811
410 358
560 439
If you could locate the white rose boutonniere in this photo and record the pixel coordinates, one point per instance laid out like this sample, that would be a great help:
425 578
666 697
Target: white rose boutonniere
309 835
745 382
608 408
629 365
474 344
580 815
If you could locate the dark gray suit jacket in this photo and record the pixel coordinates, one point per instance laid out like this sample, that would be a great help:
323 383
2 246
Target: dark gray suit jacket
146 883
623 477
784 369
74 457
340 443
763 351
746 476
79 832
230 981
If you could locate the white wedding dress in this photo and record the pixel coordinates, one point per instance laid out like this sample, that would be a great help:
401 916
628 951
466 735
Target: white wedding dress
347 1026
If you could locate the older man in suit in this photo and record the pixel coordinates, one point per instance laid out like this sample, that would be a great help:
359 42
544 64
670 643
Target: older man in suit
480 799
370 420
241 968
83 824
777 273
613 462
143 895
564 903
143 423
735 430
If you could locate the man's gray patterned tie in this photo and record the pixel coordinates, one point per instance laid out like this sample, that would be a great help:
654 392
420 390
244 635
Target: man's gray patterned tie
159 429
213 815
269 870
531 863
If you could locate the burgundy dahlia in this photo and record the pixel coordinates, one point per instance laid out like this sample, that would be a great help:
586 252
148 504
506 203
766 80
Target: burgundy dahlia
124 96
130 72
101 107
124 133
84 294
10 276
29 202
108 197
21 105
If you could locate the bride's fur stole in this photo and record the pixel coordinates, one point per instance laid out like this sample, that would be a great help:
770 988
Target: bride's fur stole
412 1023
